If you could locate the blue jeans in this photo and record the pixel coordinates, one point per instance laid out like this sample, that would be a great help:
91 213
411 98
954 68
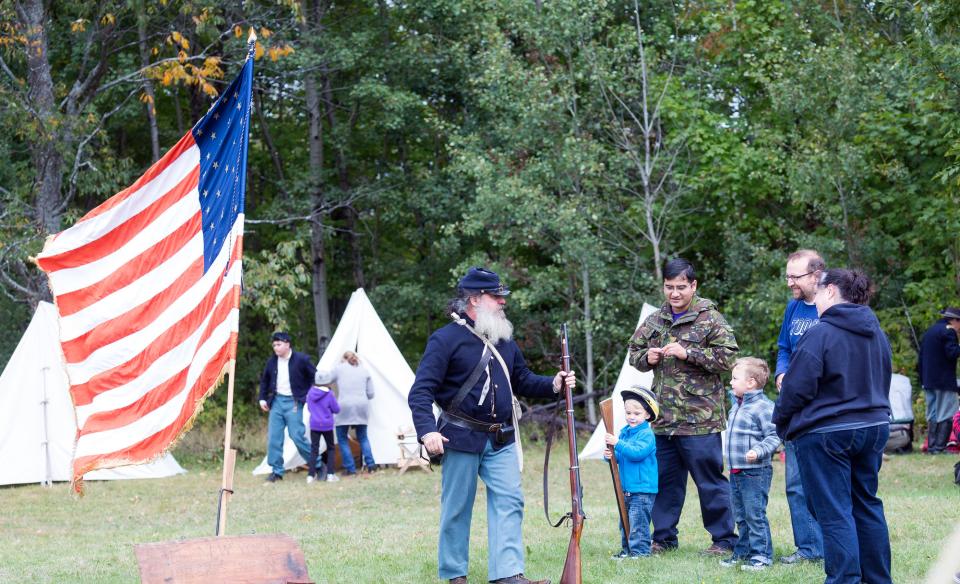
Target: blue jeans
500 472
839 471
702 458
639 506
346 456
750 489
806 532
285 414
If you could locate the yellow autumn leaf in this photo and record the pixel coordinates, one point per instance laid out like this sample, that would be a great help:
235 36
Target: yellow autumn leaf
265 32
258 51
78 25
108 19
182 56
237 31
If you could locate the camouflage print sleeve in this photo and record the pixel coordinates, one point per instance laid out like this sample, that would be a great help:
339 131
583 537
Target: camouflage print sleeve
719 350
638 346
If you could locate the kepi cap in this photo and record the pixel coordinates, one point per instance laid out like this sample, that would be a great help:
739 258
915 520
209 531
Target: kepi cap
281 336
951 312
484 281
646 399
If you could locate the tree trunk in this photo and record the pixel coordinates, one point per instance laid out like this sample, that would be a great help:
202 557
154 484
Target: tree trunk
151 103
588 342
47 159
321 309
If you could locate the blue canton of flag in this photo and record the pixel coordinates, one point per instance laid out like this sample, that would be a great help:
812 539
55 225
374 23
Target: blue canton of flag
221 136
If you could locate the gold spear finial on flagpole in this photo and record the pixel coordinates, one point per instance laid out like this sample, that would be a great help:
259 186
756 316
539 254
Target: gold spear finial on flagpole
253 36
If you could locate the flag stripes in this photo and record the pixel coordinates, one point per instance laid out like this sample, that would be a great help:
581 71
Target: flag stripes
147 286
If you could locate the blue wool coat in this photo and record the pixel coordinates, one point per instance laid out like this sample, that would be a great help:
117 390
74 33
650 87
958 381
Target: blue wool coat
451 354
301 370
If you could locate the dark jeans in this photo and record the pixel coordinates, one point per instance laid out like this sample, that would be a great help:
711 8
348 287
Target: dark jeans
325 458
702 458
750 489
840 475
639 506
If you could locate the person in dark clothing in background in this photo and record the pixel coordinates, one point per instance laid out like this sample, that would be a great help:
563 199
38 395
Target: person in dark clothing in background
284 384
833 404
937 366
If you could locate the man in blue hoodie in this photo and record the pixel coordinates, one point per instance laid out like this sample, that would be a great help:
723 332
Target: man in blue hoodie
833 404
804 268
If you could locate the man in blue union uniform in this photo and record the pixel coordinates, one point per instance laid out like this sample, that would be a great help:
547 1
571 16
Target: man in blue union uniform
471 368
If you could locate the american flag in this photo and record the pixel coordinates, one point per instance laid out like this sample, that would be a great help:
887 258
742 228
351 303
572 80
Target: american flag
147 286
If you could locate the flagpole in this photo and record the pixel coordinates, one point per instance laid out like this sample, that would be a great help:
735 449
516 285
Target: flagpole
230 454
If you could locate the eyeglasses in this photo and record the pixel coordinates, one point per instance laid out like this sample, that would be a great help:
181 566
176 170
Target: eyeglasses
790 278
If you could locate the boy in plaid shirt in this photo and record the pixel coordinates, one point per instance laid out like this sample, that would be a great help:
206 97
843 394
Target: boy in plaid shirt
751 440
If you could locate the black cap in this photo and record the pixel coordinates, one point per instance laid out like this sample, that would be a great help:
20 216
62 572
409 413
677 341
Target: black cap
483 281
281 336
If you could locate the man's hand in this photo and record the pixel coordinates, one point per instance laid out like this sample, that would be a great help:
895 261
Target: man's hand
558 381
654 355
752 456
433 442
780 381
610 439
264 406
675 349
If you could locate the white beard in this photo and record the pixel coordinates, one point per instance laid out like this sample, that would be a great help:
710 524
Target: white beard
493 325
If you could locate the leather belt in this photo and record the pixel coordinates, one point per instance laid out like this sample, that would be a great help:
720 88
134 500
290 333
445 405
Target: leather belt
475 425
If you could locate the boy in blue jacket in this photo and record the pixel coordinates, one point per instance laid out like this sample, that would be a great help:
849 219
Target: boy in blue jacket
751 441
636 452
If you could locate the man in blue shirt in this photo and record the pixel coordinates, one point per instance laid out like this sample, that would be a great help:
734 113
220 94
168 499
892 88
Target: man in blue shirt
804 268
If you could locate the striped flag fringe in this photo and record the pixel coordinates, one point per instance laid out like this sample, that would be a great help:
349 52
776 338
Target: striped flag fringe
147 286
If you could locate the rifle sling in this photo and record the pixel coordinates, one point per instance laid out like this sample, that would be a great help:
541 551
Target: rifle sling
551 430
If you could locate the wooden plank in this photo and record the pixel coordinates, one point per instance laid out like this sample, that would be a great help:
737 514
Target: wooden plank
240 559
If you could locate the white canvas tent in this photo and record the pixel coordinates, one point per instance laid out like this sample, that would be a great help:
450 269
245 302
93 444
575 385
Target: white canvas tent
361 330
37 421
628 376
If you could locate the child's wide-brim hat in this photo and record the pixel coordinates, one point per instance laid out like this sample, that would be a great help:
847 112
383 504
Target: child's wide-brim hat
646 399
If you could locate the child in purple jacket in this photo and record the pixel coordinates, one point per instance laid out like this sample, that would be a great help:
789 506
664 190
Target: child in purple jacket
322 405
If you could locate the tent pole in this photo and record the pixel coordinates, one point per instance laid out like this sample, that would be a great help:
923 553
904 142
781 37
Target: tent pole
48 476
229 455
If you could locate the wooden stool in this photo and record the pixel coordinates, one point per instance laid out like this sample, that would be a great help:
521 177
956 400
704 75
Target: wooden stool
410 451
239 559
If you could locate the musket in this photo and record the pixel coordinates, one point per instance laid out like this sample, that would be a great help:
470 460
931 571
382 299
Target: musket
606 411
571 566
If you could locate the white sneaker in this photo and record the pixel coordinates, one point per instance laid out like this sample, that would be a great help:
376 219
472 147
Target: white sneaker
310 479
332 478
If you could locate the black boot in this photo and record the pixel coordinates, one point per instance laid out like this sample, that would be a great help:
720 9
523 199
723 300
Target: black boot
944 429
322 472
932 432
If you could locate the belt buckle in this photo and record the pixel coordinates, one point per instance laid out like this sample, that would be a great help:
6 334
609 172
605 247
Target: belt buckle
494 428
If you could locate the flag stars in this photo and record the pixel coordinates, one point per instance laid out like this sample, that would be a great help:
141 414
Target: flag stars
213 135
216 115
208 156
199 131
216 165
218 193
206 192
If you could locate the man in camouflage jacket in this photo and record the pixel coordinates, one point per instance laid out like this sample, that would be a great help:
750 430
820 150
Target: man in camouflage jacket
688 345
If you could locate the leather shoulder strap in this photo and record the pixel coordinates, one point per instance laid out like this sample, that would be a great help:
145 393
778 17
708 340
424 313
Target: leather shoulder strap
454 404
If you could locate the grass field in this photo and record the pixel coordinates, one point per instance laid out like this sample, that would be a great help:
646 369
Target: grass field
383 527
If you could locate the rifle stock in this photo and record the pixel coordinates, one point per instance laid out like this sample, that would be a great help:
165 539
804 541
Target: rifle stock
606 411
572 564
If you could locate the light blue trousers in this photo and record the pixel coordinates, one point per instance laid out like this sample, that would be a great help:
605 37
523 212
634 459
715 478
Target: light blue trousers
501 476
285 412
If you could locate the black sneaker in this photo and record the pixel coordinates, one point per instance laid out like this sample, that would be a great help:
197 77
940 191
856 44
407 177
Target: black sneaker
274 477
